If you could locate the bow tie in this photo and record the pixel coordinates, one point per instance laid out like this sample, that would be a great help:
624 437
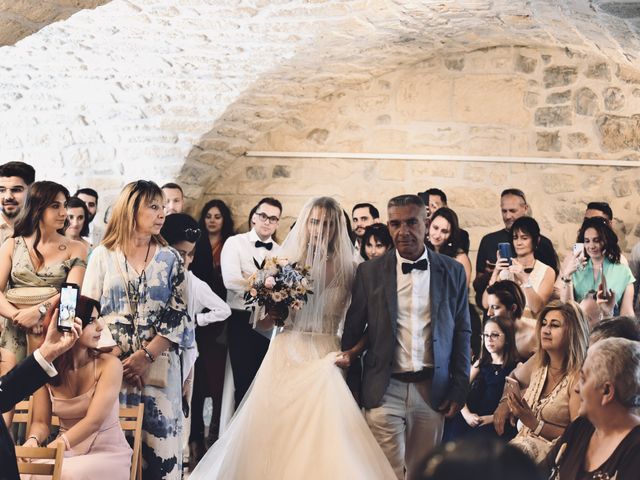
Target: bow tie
268 245
419 265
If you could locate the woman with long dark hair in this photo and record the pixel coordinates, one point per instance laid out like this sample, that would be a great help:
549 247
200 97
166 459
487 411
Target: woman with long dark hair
77 221
84 396
34 264
216 225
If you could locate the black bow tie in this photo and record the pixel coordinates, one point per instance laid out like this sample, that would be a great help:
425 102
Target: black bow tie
268 245
419 265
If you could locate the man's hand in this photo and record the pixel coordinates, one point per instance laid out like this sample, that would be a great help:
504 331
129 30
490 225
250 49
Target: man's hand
57 342
449 408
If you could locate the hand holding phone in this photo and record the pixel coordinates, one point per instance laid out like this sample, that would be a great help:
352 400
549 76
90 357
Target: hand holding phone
513 386
505 251
68 304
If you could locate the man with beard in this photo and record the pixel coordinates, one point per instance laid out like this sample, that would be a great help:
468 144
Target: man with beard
363 214
90 198
15 178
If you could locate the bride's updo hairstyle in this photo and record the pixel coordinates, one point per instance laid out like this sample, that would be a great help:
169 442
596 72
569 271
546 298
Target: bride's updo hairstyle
320 240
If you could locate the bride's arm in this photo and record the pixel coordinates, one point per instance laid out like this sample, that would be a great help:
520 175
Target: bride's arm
346 358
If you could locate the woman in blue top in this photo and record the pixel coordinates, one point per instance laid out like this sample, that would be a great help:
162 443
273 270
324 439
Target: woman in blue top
582 275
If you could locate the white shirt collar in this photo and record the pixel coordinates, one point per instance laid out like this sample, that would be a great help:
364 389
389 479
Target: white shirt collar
253 236
401 259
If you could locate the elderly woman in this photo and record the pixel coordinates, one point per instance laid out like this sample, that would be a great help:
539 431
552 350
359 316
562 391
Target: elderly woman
604 442
139 282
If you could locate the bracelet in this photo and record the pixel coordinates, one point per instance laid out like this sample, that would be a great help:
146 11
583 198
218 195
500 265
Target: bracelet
527 285
539 428
565 279
36 438
148 354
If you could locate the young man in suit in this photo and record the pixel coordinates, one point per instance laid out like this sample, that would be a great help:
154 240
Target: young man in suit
29 375
412 303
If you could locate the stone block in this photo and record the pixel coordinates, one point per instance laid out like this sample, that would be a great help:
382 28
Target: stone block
455 64
525 64
628 74
598 71
390 170
495 99
619 133
613 98
621 187
420 99
586 102
281 171
553 116
577 140
318 135
559 76
565 212
559 183
548 141
531 99
559 97
256 173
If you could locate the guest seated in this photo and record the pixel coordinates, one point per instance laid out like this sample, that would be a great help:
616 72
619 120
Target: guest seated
443 236
84 395
534 277
599 268
506 299
376 241
617 327
551 402
498 358
604 442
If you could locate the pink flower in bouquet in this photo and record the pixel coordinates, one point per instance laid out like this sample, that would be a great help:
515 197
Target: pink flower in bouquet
270 282
253 292
276 297
283 262
296 305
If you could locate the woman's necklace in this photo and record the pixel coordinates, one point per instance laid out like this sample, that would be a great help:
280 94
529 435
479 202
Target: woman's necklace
137 291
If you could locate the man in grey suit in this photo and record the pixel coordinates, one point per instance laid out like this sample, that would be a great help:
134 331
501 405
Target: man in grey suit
411 303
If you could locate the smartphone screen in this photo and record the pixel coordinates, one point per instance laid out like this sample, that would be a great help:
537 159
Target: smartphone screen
68 304
514 386
505 251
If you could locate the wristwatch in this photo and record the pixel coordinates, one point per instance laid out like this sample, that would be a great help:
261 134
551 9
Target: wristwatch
42 309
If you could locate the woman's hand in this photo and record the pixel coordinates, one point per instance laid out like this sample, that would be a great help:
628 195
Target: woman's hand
28 318
606 303
518 271
134 367
501 264
520 408
471 418
571 264
344 359
31 442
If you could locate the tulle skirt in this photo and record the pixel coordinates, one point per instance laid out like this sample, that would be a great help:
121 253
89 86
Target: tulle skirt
298 420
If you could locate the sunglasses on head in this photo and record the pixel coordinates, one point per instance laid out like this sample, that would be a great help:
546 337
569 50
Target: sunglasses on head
192 234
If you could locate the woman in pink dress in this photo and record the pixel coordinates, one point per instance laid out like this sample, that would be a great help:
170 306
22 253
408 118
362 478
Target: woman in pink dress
84 396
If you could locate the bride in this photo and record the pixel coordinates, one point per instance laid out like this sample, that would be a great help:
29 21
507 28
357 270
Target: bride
299 419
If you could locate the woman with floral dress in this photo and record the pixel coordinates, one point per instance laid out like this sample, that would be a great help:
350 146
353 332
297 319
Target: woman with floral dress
140 284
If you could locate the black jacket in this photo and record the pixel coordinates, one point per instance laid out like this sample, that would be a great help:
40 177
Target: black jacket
16 385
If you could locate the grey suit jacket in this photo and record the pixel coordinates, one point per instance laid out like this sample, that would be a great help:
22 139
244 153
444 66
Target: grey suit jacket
374 308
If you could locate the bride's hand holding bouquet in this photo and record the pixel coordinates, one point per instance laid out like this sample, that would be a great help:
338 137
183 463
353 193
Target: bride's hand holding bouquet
277 286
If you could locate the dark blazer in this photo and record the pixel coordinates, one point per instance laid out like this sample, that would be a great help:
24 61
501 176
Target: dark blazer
16 385
374 305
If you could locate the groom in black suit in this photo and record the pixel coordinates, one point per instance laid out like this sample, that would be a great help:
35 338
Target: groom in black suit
412 305
29 375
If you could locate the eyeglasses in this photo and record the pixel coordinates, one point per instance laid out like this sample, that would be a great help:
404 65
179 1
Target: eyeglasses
192 234
266 218
492 336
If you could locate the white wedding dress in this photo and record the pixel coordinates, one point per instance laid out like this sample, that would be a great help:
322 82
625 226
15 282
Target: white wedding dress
299 419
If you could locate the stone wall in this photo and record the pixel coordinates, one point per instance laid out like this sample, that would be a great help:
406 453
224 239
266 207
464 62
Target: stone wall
503 101
20 18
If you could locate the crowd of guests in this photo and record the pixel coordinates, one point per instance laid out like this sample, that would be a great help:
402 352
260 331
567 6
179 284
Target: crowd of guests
554 344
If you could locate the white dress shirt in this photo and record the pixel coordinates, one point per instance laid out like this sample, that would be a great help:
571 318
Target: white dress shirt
46 366
413 337
236 262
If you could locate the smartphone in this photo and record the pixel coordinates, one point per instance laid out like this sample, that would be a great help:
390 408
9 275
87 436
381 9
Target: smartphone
68 303
505 251
603 286
513 386
578 252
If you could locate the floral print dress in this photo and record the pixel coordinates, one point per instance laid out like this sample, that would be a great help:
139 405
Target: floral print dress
162 311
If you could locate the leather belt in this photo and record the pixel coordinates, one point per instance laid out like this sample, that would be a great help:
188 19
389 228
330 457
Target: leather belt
414 377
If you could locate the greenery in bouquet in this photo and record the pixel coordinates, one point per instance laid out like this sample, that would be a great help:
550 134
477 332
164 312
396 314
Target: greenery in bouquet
278 285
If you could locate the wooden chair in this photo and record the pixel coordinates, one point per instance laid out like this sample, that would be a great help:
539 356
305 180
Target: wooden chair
131 421
22 415
52 469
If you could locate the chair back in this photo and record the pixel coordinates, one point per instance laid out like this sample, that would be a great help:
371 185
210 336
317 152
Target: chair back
23 413
52 469
131 421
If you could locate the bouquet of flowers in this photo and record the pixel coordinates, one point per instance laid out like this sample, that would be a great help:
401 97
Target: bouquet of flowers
278 285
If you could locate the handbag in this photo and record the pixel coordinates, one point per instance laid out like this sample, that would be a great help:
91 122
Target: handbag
29 296
157 375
